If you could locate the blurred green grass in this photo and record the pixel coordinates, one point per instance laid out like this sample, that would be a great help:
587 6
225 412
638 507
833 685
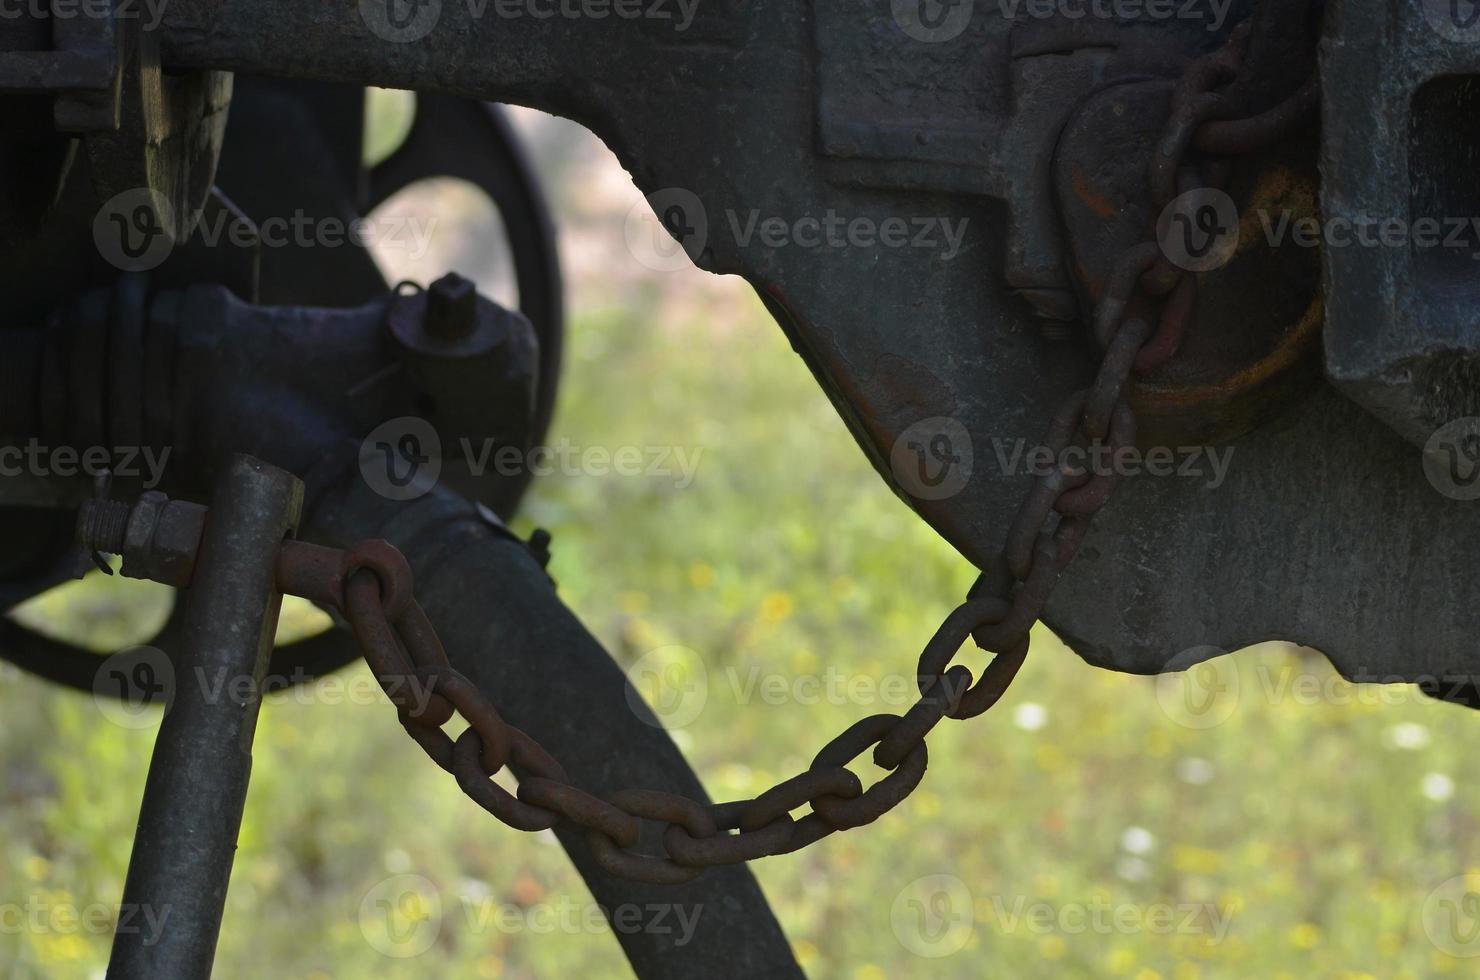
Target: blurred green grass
1320 824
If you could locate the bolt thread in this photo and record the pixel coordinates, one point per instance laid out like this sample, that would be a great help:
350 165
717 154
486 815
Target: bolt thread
102 525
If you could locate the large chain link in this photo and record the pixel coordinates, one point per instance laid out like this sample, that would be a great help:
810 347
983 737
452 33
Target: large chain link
371 585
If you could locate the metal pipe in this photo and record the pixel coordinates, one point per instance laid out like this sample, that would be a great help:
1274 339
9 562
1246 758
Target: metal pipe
197 784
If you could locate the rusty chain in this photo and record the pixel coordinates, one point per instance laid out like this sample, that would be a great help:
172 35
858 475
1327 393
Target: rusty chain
371 584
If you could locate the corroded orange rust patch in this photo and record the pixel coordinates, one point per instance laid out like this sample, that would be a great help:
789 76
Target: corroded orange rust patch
1098 203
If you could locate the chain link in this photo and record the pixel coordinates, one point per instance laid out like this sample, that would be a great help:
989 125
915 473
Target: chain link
371 584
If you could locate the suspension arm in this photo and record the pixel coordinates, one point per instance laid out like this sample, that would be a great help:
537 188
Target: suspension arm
505 628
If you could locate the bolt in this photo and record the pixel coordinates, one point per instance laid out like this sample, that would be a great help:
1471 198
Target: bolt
102 525
452 307
157 537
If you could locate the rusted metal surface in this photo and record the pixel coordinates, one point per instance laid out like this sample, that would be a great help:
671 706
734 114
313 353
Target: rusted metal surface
1402 338
370 584
964 127
414 671
1056 147
1236 366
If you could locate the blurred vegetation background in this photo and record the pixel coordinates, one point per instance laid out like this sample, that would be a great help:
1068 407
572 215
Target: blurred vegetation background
1318 817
